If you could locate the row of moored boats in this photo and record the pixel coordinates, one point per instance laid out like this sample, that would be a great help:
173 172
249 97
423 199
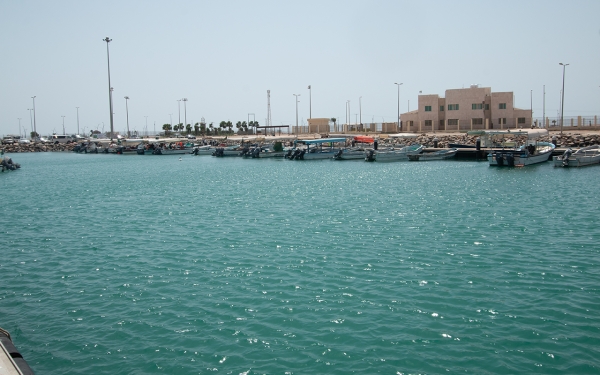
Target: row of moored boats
505 148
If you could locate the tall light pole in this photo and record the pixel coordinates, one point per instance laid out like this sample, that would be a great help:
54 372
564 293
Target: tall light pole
184 113
531 106
562 105
347 114
147 125
360 111
108 40
34 127
297 130
309 102
31 120
77 119
63 124
171 117
127 114
179 111
398 84
24 131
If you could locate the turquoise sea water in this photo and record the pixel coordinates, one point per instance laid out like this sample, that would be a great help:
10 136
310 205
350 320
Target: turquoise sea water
150 265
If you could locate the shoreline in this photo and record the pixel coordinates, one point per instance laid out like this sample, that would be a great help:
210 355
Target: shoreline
571 138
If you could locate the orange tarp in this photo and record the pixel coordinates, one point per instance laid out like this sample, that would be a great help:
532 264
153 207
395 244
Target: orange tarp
363 139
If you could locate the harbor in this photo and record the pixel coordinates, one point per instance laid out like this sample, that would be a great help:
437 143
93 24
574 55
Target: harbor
227 263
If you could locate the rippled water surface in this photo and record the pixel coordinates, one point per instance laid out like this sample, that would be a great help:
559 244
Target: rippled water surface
147 264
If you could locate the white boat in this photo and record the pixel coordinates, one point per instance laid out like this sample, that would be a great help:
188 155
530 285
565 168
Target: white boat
519 148
234 150
435 155
262 152
582 157
314 149
204 150
392 154
357 151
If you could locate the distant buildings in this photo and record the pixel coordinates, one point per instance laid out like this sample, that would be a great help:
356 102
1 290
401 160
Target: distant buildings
473 108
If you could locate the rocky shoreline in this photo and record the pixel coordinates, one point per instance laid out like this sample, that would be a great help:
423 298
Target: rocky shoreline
573 139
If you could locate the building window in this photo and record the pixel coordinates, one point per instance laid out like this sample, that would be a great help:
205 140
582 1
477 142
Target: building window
502 121
453 107
502 106
487 107
428 122
477 121
477 106
441 108
521 120
427 108
452 121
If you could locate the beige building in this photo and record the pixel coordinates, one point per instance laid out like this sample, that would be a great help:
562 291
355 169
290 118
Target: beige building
318 125
473 108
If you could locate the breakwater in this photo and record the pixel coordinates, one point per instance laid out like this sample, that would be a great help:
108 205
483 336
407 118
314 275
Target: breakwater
572 139
562 140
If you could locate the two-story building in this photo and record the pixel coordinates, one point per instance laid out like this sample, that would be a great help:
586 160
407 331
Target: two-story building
473 108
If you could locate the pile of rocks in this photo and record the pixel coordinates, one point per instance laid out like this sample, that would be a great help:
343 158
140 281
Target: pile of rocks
37 147
574 140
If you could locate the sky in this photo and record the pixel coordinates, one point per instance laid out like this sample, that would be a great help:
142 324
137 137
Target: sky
223 56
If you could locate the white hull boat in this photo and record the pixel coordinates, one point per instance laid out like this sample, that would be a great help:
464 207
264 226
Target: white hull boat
393 154
435 155
584 156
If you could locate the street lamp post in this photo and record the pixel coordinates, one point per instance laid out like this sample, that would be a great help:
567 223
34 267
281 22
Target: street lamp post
34 126
31 120
398 84
309 102
179 111
562 106
347 115
108 40
127 112
360 111
77 119
297 130
24 131
184 113
63 124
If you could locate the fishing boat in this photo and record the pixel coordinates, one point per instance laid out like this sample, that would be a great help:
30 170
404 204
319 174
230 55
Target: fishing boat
165 147
518 148
233 150
584 156
6 164
357 151
315 149
203 150
392 154
435 155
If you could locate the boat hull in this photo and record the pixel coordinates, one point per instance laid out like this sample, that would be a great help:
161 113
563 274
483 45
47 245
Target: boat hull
520 157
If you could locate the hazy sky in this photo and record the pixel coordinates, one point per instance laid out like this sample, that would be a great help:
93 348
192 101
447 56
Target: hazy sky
223 56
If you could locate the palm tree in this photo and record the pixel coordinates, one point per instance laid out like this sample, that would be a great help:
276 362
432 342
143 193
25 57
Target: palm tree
238 125
188 128
229 125
223 125
196 128
211 127
166 128
333 119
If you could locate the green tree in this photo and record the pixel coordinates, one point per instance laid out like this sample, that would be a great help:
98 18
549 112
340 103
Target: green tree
333 119
166 128
188 128
238 126
230 126
211 127
223 125
196 128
